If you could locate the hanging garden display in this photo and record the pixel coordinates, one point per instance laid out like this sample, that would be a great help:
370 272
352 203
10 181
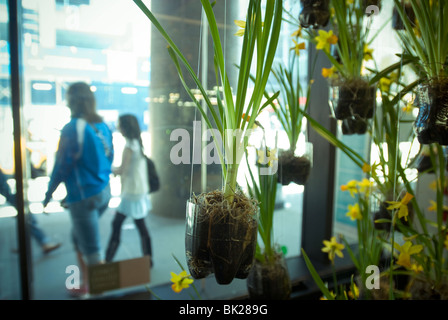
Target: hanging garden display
222 225
295 162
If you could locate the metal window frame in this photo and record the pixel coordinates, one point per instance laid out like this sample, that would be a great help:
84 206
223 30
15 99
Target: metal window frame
318 206
14 32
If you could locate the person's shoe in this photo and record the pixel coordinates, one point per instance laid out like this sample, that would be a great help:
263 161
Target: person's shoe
50 247
78 293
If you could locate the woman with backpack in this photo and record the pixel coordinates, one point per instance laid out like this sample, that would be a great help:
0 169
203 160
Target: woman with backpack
135 202
84 164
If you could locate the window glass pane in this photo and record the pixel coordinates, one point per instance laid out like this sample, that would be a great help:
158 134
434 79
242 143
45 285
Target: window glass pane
105 44
111 46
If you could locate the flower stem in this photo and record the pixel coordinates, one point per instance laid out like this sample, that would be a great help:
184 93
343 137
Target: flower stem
391 277
335 281
230 183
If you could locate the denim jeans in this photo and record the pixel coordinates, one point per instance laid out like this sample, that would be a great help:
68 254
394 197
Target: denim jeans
85 215
37 232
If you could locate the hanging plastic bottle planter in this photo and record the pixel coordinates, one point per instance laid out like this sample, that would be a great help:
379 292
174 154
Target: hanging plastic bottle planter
354 125
354 103
221 238
294 166
354 98
269 280
314 13
431 124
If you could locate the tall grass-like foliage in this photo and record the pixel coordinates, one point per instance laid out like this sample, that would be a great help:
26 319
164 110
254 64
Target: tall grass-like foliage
350 35
263 188
289 110
237 110
427 42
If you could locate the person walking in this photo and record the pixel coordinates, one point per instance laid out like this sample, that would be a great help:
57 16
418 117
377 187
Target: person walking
37 233
135 202
84 164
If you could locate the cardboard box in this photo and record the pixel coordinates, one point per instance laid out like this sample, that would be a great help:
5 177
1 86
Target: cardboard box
120 274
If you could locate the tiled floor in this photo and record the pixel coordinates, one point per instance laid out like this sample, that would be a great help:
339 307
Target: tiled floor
167 234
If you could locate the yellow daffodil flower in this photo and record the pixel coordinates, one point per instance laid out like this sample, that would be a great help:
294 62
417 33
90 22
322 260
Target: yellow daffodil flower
328 72
355 294
271 156
333 296
408 108
351 186
417 30
416 268
402 206
371 169
433 185
436 183
365 186
242 25
368 53
433 206
349 2
297 33
180 281
325 39
298 47
385 84
406 250
246 117
333 248
354 212
366 168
